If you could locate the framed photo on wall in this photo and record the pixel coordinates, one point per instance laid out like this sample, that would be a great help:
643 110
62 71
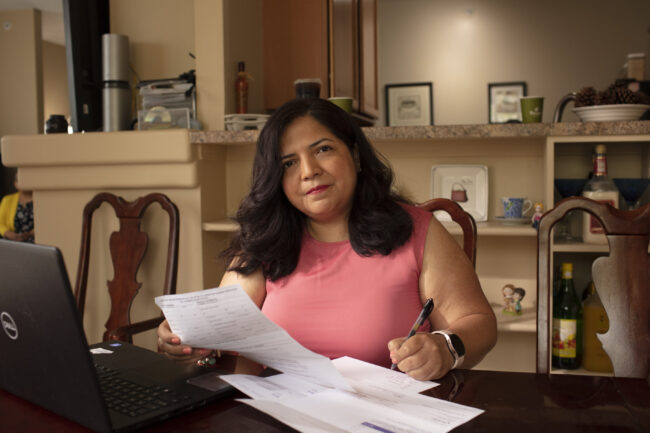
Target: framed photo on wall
409 104
503 101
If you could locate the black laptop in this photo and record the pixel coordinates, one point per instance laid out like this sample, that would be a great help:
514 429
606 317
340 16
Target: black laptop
44 356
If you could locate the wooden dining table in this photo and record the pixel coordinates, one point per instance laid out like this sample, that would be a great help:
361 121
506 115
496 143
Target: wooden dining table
513 402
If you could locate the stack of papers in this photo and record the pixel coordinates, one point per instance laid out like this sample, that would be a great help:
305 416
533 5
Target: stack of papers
314 394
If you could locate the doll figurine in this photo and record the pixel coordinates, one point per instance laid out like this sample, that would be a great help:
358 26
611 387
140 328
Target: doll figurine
512 297
508 292
517 296
539 211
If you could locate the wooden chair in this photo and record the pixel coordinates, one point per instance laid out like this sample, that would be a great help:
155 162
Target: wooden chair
622 280
127 248
461 217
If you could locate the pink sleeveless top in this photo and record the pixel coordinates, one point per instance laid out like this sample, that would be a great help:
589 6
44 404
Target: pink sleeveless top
338 303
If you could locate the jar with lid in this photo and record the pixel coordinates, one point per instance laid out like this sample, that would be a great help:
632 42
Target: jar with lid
56 123
636 66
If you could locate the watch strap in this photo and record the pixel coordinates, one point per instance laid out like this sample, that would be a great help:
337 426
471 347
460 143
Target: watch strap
458 358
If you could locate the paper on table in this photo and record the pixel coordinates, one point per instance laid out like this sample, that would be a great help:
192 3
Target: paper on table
226 318
365 378
370 378
293 418
384 400
359 412
275 387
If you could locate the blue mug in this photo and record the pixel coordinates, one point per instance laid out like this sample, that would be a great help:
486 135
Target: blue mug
515 207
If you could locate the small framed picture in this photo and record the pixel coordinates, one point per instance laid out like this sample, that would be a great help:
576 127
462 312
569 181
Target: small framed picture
409 104
503 101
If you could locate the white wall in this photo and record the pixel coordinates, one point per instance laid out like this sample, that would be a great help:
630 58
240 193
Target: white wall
161 35
21 86
555 46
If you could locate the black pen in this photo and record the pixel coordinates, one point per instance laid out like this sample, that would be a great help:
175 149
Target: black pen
426 310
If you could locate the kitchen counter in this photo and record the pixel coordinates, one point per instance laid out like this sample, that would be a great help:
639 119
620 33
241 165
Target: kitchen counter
520 130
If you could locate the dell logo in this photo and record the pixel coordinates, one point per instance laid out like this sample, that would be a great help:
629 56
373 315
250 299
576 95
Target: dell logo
9 325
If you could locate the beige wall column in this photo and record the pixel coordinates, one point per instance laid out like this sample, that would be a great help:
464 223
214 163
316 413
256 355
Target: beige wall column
209 50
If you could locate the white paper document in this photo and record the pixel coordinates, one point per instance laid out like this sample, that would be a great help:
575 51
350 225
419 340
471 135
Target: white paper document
384 400
226 318
313 394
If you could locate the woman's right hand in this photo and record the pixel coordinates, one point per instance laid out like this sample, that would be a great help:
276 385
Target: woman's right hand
170 344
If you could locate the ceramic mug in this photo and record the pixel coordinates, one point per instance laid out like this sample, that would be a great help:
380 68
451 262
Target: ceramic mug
532 108
515 207
343 102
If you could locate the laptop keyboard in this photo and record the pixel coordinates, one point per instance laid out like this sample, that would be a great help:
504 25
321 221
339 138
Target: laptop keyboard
133 399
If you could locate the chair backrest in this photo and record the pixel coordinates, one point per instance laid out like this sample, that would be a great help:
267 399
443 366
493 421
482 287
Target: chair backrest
127 248
621 279
461 217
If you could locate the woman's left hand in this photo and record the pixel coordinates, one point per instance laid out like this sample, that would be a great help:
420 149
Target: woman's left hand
423 357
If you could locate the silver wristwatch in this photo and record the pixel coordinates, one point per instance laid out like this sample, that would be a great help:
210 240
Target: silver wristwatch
455 346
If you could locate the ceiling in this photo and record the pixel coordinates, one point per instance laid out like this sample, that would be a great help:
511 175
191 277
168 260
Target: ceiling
51 16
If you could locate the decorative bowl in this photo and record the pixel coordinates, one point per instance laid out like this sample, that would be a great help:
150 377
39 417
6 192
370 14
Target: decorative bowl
601 113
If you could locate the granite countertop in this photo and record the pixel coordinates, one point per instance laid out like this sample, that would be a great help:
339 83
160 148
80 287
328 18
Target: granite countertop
639 127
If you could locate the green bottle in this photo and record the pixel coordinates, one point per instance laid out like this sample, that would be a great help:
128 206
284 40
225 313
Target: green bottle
567 324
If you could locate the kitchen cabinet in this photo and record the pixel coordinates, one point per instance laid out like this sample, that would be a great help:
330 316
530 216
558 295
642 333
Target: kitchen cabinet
571 158
334 40
295 45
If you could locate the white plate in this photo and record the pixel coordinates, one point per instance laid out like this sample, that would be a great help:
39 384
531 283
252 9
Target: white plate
472 178
514 221
601 113
240 122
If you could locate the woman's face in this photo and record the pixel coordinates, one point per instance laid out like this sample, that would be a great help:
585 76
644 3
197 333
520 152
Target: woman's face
319 171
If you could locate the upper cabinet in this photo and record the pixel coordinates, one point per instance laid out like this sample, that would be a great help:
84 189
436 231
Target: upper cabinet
334 40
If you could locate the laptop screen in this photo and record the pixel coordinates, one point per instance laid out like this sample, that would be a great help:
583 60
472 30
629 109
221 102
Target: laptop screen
45 357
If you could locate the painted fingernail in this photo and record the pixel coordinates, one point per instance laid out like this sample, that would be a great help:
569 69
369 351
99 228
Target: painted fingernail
187 350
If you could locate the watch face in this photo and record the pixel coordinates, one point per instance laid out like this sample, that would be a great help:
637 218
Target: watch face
458 344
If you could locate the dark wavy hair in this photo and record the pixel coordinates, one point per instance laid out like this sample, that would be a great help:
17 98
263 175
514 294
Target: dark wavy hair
271 228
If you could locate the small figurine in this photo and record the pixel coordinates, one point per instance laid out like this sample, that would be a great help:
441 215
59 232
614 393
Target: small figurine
518 296
508 291
512 297
539 211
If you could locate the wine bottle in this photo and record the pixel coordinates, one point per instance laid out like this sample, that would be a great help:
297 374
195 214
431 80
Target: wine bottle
595 322
567 324
241 88
602 189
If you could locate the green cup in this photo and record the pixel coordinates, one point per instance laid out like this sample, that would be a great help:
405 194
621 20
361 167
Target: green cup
344 103
532 108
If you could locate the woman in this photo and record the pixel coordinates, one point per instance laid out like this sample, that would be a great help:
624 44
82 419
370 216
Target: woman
17 215
330 253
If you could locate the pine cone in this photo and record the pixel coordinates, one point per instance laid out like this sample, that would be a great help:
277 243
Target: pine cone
642 98
624 95
585 97
606 97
